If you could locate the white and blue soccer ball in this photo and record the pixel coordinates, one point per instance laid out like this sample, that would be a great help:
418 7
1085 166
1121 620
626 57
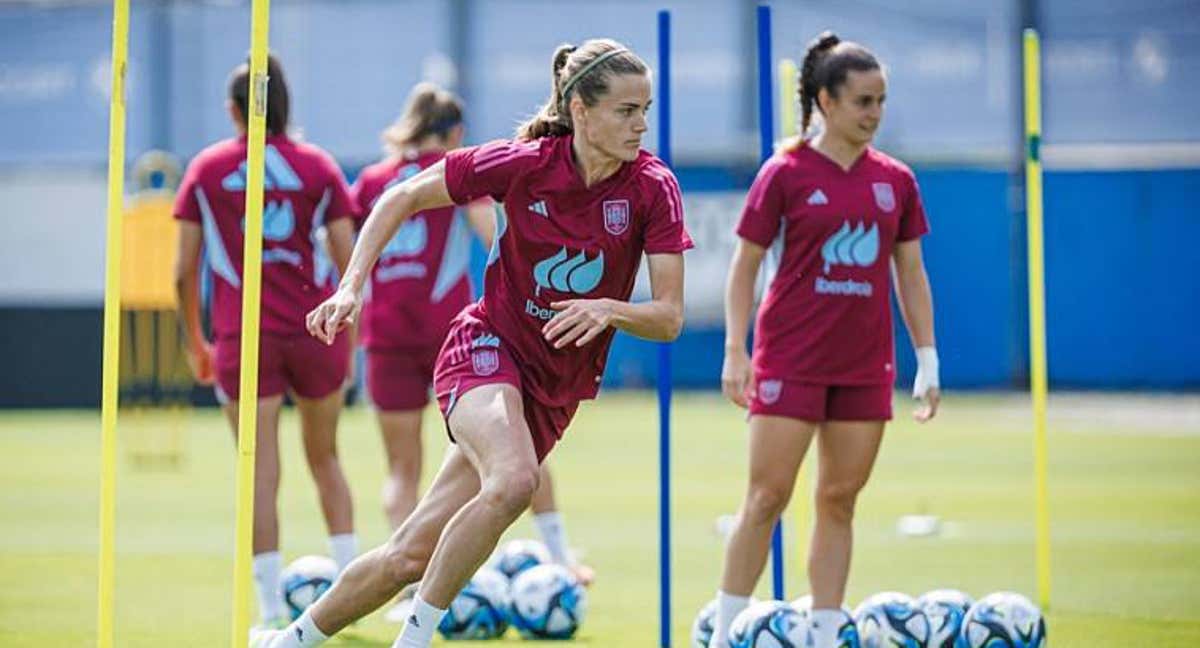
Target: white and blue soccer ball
305 580
702 625
847 632
891 620
548 602
1003 620
769 624
945 609
480 611
516 556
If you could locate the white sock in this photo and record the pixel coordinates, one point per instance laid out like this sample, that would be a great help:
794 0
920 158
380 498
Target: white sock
554 533
302 633
343 548
824 624
267 566
418 630
728 607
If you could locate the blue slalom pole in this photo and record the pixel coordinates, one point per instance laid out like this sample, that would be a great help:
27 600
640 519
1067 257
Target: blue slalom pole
766 133
664 356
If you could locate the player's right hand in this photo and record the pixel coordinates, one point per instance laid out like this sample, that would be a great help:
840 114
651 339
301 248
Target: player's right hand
200 359
737 377
334 314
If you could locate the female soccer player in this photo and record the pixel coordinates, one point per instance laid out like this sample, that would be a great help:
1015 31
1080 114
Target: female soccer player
417 287
843 214
581 205
303 191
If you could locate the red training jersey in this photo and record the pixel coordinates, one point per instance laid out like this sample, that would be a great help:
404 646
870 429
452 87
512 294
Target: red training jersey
827 316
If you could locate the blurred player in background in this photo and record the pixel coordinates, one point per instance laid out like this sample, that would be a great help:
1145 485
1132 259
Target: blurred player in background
420 283
840 214
303 191
582 203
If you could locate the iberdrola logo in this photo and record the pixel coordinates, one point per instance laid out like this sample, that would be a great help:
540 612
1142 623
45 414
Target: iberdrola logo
569 274
851 247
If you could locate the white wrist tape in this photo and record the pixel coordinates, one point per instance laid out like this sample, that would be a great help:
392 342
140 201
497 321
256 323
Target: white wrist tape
927 371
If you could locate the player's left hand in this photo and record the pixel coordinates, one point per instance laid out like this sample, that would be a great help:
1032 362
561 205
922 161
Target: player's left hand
929 407
578 321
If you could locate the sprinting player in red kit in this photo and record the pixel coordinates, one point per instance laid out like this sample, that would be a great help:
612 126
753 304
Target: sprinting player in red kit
418 286
843 218
582 203
303 191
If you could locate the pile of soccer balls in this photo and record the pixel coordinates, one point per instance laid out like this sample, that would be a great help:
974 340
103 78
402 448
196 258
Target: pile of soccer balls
521 587
938 619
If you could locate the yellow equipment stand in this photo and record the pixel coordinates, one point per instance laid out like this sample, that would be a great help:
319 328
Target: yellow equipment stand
154 374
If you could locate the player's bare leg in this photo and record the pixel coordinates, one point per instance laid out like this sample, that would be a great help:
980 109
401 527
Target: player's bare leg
267 562
847 451
489 425
401 431
379 574
318 424
777 447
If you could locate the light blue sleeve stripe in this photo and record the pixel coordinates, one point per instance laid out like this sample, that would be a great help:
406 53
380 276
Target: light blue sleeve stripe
456 259
323 268
214 247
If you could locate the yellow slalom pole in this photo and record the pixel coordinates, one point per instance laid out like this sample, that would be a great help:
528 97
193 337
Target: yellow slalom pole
112 327
1037 304
789 82
251 294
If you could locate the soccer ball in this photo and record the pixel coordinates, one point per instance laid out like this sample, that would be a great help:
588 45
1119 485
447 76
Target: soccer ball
702 627
515 556
945 609
548 602
1003 620
480 610
847 630
305 580
891 619
769 624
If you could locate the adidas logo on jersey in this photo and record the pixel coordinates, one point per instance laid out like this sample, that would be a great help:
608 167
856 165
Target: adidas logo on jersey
818 198
539 208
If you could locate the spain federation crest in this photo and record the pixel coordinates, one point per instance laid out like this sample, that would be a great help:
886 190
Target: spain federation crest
884 197
616 216
485 361
769 391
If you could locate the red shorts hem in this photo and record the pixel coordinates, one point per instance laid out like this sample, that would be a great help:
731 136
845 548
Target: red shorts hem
399 380
818 403
298 363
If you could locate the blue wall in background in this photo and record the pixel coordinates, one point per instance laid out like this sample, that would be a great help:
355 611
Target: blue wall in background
1123 278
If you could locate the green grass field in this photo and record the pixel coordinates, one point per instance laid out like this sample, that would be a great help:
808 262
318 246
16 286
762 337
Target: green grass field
1125 514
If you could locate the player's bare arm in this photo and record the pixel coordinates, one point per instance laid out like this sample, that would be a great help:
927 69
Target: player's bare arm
580 320
426 190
